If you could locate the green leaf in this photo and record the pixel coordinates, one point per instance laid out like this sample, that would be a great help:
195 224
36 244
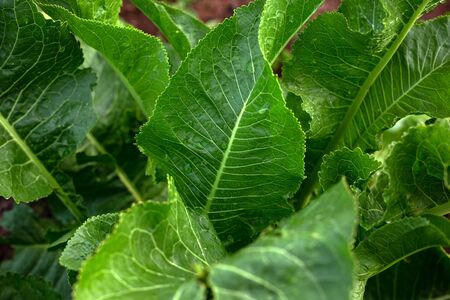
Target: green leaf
280 21
222 130
371 200
424 275
138 59
399 239
101 10
24 227
181 29
86 240
418 167
353 89
40 262
154 253
355 165
13 286
307 257
45 101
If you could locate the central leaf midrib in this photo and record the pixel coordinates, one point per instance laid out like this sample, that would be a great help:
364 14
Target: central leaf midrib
226 154
43 170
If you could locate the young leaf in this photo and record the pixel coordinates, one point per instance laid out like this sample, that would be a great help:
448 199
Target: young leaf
355 165
418 167
280 21
308 257
139 59
181 29
45 101
397 240
154 253
371 200
13 286
353 89
86 240
222 130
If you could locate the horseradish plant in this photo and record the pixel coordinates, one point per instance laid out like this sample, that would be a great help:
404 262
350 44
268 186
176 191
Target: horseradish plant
246 185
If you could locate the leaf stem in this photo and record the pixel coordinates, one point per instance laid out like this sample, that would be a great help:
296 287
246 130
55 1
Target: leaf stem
119 171
52 182
305 194
440 210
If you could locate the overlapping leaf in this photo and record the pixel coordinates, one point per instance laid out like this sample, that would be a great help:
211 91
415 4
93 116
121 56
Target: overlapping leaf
45 99
399 239
155 252
280 21
139 59
222 130
13 286
308 257
355 81
418 167
181 29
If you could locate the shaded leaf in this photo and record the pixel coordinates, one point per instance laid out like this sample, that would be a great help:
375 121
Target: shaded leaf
397 240
13 286
222 130
371 200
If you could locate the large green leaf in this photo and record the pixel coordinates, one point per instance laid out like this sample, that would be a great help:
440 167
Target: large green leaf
418 167
86 240
397 240
45 99
308 257
13 286
181 29
155 252
280 21
139 59
222 130
355 82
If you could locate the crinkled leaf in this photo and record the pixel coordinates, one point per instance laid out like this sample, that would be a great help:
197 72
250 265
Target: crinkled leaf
353 89
222 130
307 257
181 29
139 59
86 240
40 262
419 170
424 275
45 101
13 286
371 200
399 239
154 253
355 165
280 21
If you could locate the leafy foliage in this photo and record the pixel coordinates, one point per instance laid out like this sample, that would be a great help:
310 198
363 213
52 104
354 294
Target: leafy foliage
205 184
